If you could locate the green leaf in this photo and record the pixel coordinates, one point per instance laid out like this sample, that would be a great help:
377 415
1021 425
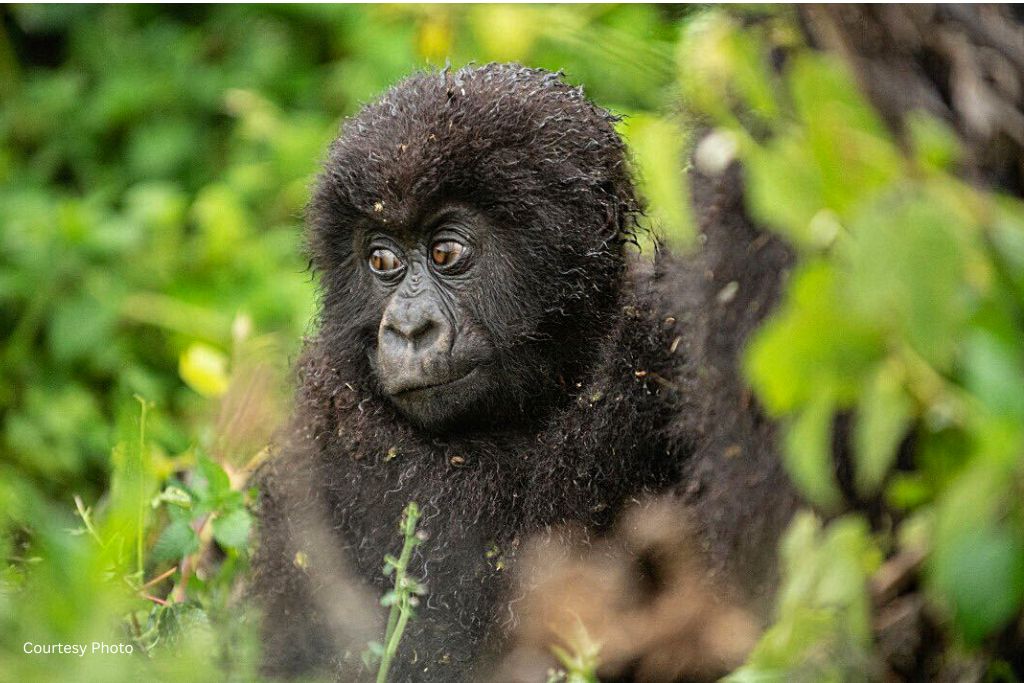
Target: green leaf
808 455
812 347
994 371
822 630
907 491
851 146
231 530
977 565
222 220
723 69
174 495
176 541
215 484
1007 235
181 619
883 414
132 487
205 369
907 268
80 326
658 148
935 144
981 572
785 188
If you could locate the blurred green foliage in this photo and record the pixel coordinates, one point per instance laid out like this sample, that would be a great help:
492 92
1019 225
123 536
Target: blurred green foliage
154 165
905 312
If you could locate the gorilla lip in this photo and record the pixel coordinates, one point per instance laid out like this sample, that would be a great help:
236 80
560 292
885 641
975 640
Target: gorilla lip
405 391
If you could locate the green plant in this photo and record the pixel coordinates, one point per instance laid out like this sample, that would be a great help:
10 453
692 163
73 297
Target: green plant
402 599
903 313
108 582
579 658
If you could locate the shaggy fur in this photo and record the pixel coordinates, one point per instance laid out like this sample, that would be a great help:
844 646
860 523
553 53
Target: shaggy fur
621 374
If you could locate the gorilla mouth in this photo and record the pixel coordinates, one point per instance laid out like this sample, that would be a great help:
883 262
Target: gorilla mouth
413 389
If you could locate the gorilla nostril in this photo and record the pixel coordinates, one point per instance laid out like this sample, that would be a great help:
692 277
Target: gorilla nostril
426 335
417 331
421 333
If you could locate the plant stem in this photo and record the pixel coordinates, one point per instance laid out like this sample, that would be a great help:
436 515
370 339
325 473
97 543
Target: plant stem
401 609
140 528
158 579
392 643
85 514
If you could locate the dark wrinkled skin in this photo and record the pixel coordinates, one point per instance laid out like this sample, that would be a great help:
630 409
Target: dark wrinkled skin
550 379
433 359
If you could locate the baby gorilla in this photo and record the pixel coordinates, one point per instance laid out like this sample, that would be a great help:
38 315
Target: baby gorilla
485 348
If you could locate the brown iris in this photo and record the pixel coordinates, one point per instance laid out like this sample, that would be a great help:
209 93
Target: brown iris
446 253
384 261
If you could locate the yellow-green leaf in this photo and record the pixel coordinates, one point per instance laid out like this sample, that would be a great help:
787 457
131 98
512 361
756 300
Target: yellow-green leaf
205 369
882 416
808 454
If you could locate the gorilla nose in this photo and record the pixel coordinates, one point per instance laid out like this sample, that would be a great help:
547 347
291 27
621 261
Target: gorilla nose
412 326
413 345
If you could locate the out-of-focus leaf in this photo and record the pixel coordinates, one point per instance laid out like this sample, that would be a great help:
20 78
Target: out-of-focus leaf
1007 235
883 414
812 347
506 32
994 371
977 566
79 326
934 143
848 141
216 483
176 541
174 495
657 145
222 220
907 269
822 630
808 454
785 188
907 491
205 369
132 486
981 572
722 71
179 619
232 529
839 157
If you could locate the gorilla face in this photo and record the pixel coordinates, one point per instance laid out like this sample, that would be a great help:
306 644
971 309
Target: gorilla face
433 360
468 229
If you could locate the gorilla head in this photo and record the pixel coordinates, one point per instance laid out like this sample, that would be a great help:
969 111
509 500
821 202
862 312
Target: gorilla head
469 230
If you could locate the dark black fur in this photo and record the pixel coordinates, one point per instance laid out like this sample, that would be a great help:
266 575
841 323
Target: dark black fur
621 373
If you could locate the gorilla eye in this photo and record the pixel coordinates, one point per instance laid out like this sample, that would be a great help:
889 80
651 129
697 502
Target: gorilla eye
446 253
384 261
